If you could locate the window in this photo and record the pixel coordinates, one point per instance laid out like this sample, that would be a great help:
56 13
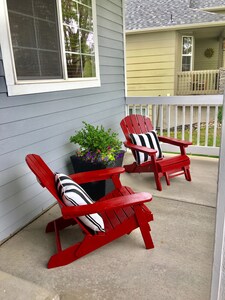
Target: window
187 52
53 45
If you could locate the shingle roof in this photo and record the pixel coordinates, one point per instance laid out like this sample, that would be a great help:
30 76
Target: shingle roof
143 14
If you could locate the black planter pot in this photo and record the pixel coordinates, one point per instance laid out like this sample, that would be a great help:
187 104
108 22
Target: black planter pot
98 189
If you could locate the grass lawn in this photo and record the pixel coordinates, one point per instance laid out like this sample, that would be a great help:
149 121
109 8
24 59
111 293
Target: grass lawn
202 136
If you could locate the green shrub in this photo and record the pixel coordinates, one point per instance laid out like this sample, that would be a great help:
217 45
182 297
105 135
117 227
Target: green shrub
97 144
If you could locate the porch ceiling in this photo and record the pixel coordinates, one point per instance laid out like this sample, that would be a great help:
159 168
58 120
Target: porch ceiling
203 33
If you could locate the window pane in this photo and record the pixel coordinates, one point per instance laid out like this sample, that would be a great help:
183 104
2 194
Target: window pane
186 63
22 6
50 67
88 66
70 12
22 31
86 2
87 42
27 65
72 39
45 9
187 45
35 39
49 40
74 65
85 17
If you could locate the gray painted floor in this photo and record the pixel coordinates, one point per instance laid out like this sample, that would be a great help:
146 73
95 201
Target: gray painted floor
178 268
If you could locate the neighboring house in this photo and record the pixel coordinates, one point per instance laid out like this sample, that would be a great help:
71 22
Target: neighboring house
49 84
175 47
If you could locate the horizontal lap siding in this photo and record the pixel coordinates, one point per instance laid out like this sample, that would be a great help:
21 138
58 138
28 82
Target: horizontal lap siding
150 60
43 123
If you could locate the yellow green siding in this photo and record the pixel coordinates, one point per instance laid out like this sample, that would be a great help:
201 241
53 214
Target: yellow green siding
201 62
150 59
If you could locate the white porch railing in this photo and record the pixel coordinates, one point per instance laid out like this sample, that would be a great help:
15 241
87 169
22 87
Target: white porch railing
193 118
198 82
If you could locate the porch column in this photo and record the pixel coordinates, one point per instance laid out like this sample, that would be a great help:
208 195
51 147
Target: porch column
218 271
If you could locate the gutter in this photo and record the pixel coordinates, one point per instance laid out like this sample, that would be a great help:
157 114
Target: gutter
176 27
215 8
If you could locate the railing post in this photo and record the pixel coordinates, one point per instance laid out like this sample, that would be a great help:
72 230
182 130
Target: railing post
207 126
191 123
215 126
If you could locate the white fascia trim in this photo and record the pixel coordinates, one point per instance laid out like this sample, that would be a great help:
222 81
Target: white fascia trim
176 27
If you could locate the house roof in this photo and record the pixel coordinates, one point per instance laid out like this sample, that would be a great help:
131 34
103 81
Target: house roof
147 14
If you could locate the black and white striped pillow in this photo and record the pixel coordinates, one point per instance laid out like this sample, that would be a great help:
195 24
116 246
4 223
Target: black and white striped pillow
73 194
149 140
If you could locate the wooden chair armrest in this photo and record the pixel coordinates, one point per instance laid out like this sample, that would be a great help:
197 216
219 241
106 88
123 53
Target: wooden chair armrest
149 151
97 175
174 141
108 204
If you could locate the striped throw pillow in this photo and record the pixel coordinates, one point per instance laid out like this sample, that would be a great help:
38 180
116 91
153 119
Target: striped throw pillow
149 140
72 194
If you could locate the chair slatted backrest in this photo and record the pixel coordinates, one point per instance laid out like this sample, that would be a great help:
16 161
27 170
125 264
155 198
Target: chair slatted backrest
135 124
44 175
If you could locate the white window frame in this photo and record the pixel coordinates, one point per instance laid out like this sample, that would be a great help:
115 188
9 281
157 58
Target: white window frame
23 87
192 52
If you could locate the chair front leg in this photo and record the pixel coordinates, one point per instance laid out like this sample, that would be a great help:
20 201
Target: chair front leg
157 181
187 173
144 227
167 178
156 173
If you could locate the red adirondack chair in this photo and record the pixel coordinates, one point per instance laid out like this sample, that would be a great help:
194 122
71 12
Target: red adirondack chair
122 211
164 166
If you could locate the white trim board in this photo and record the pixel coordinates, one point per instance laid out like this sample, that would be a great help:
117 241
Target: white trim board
218 271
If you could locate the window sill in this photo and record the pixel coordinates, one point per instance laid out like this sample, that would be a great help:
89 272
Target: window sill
44 87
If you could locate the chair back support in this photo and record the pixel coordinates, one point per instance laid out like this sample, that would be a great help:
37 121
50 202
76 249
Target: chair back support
135 124
44 175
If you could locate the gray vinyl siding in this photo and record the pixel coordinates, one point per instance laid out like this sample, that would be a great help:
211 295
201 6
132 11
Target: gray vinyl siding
43 123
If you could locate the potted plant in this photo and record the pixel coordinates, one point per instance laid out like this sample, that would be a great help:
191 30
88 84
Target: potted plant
98 149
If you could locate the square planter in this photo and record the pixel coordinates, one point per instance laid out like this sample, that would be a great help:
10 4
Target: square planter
95 190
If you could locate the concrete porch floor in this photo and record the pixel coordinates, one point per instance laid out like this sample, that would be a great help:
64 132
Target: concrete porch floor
178 268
